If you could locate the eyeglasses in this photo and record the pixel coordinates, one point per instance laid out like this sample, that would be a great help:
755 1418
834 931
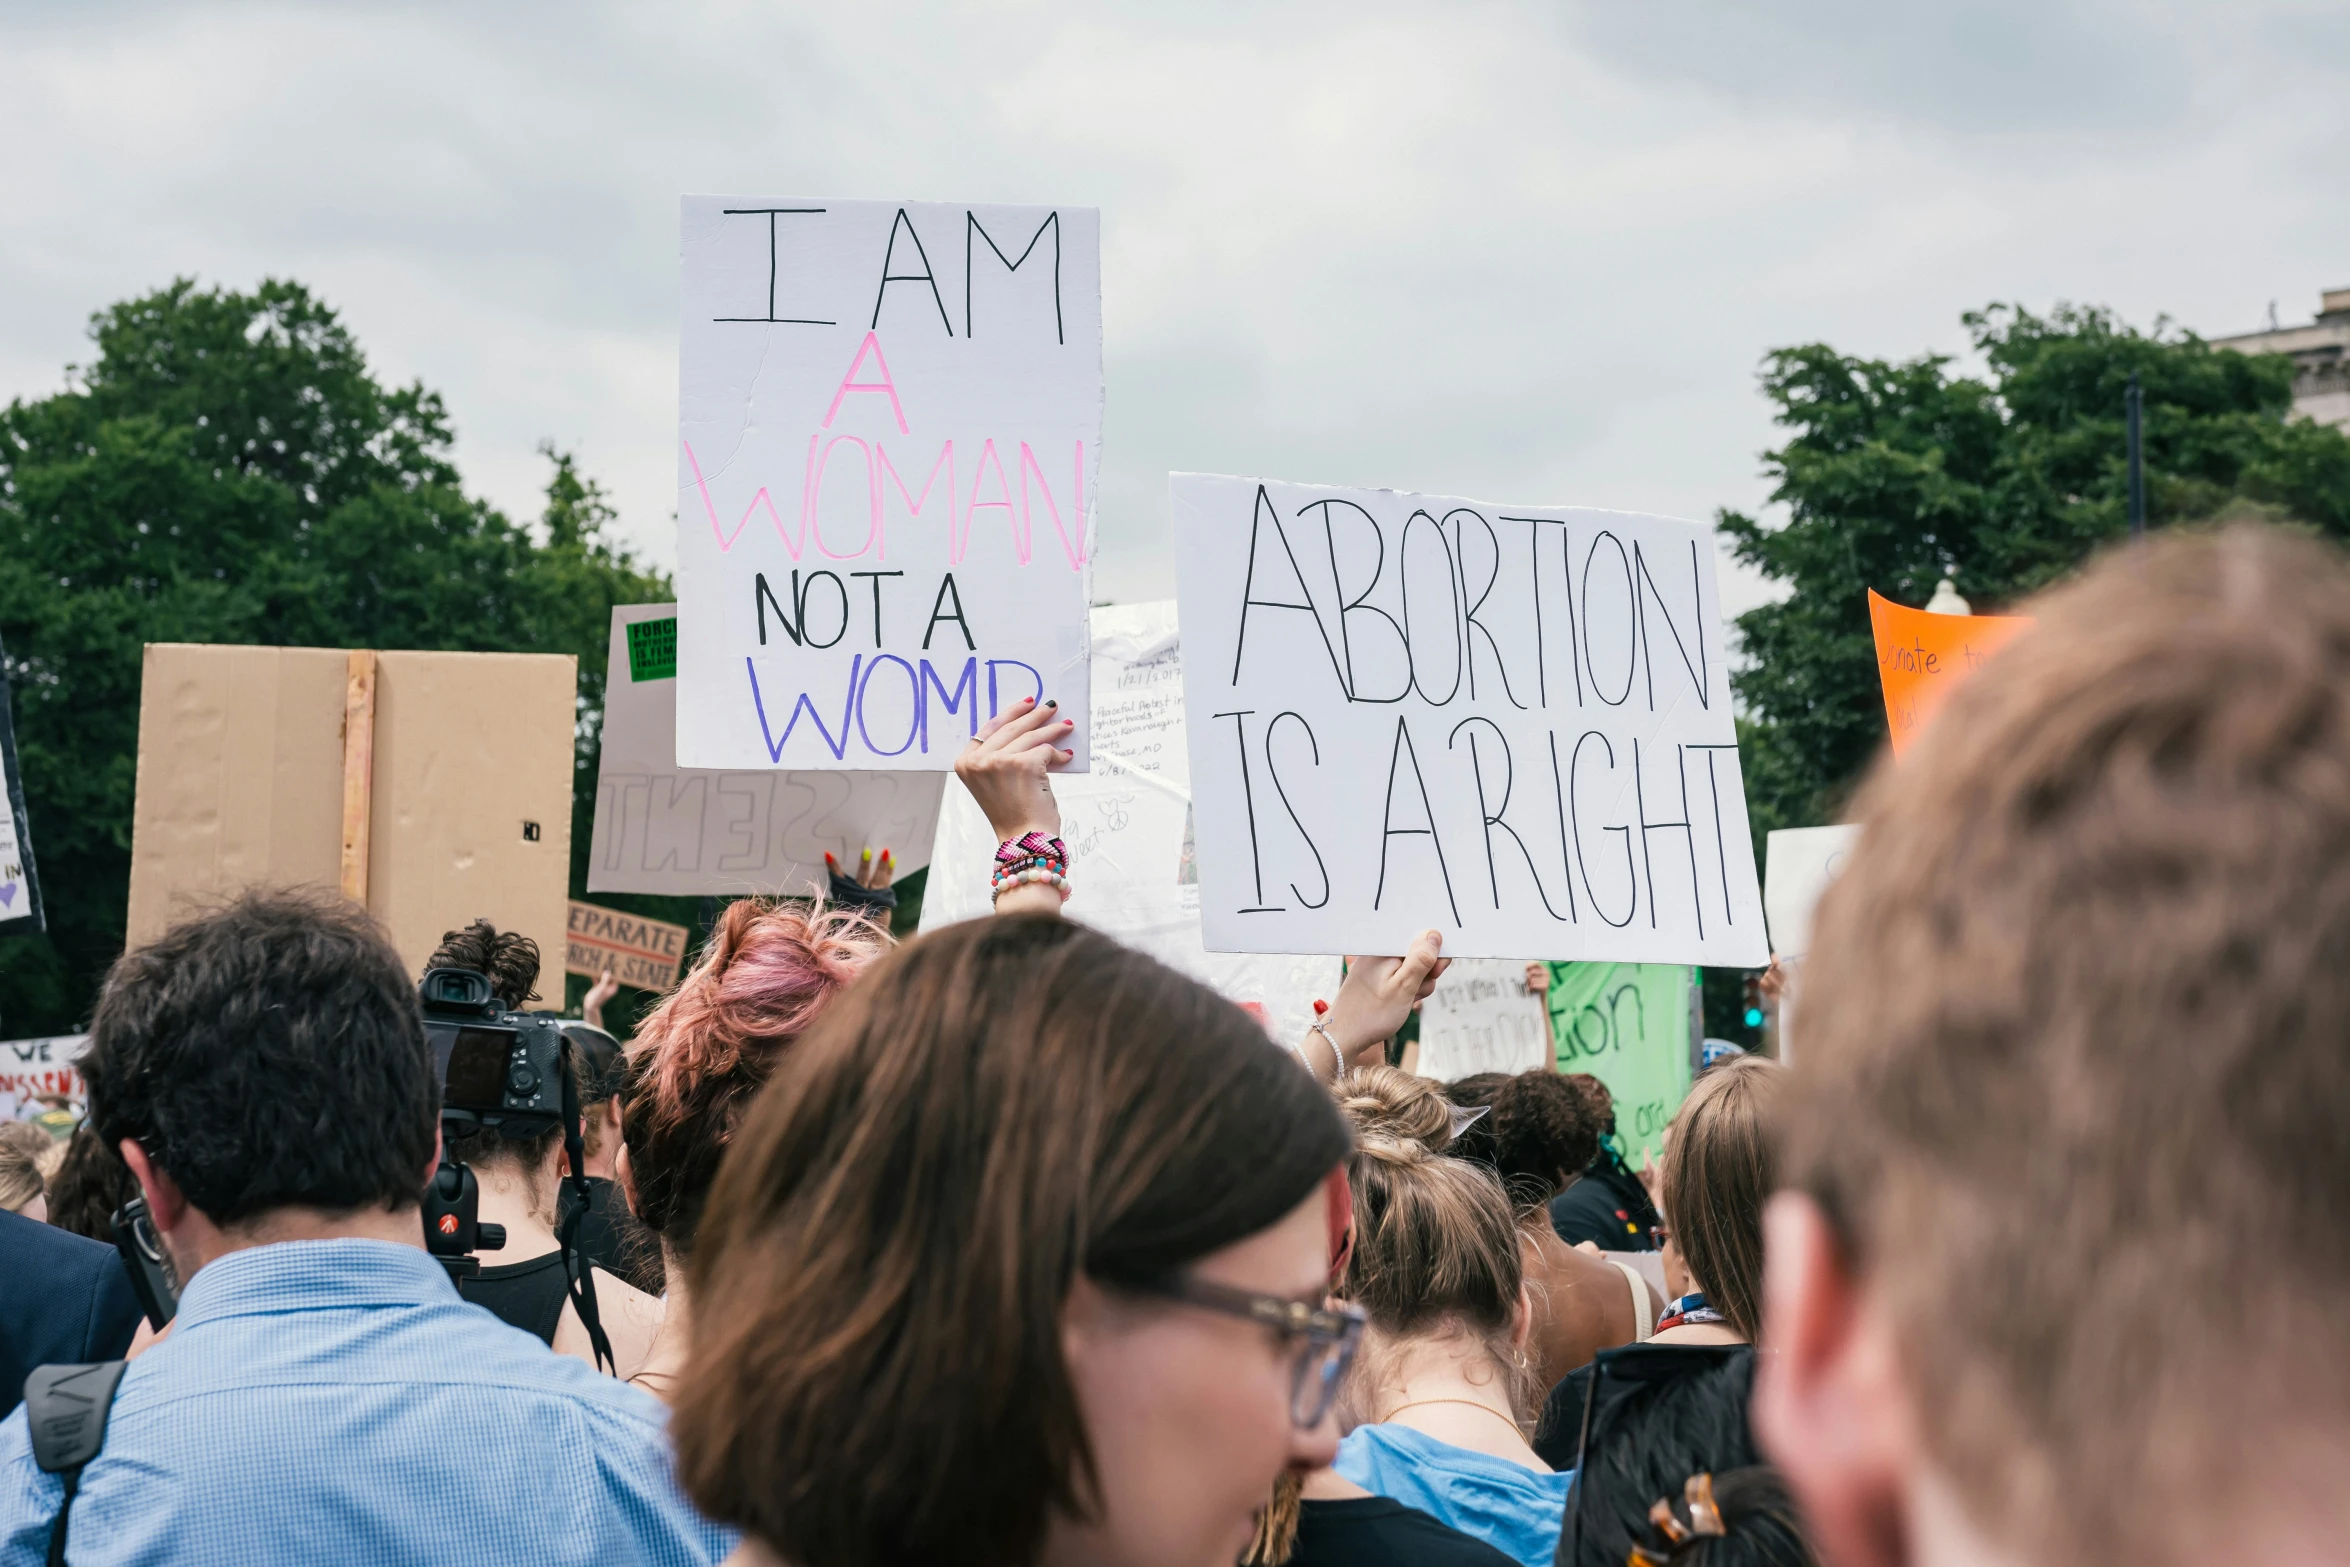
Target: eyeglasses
1327 1336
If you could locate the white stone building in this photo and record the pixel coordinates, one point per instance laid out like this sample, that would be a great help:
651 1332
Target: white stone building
2321 358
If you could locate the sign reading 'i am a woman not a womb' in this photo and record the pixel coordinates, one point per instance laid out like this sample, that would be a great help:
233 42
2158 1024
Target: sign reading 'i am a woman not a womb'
889 432
1512 723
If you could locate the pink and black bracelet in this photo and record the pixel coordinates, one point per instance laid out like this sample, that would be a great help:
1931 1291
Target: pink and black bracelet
1031 860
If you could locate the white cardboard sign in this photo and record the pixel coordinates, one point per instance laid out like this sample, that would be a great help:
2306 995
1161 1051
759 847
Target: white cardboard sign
670 829
1126 824
1801 862
1482 1018
30 1068
889 437
1511 723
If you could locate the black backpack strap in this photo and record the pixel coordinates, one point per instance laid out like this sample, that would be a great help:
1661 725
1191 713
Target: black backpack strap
66 1409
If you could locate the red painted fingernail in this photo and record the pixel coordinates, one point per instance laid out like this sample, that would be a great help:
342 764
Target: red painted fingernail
828 859
1320 1006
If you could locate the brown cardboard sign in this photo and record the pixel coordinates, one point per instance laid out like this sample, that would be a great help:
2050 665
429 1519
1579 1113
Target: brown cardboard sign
467 810
640 952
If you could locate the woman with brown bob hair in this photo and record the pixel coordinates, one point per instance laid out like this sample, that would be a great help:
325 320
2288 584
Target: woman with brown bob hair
1018 1258
1720 1166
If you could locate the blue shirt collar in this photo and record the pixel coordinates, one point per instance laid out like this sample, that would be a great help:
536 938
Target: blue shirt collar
308 1275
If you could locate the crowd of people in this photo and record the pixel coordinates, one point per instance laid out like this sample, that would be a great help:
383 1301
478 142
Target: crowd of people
1010 1245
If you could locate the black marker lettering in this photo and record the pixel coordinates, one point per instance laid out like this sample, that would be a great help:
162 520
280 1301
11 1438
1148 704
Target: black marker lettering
948 590
1640 802
1575 827
1697 670
1262 514
1295 821
1388 829
971 226
1492 815
877 576
1347 607
1631 603
795 624
1249 801
889 255
1471 626
1403 553
1721 847
771 318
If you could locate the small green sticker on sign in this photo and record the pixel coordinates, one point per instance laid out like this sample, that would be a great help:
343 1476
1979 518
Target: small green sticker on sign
652 649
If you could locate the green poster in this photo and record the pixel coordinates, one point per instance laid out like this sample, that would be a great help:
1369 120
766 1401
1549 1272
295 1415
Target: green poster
1627 1024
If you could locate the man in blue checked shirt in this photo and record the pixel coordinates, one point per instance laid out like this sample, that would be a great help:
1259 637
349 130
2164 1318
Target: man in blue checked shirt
323 1395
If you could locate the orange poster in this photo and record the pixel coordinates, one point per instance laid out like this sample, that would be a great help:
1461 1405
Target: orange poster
1921 658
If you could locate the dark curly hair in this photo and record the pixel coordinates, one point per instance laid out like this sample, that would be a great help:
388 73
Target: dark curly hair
509 958
268 1054
1538 1133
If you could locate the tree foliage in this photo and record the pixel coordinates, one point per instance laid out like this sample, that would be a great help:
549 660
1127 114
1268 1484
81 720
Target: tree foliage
228 469
1896 475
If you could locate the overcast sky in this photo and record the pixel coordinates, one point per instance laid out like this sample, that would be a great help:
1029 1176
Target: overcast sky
1525 253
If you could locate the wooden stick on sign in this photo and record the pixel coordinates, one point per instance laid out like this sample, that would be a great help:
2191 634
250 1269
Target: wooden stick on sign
358 769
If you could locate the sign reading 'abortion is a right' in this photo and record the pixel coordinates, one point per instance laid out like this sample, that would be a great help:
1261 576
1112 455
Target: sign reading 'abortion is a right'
1512 723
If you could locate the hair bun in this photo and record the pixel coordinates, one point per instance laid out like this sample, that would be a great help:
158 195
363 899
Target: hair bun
1380 1102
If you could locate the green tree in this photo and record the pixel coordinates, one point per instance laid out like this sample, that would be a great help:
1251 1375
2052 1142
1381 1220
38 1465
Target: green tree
229 470
1896 475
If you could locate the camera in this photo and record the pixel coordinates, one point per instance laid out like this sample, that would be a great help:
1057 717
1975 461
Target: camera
497 1069
500 1070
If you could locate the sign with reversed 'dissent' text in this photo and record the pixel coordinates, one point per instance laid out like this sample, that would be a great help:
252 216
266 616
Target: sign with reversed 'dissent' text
755 831
1510 723
889 438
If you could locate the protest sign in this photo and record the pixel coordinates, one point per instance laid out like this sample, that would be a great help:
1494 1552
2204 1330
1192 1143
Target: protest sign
21 913
1799 863
1128 828
669 829
1511 723
1629 1025
443 797
640 952
31 1069
889 439
1922 657
1482 1018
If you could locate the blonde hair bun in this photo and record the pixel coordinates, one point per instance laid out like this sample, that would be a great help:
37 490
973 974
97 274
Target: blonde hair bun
1383 1104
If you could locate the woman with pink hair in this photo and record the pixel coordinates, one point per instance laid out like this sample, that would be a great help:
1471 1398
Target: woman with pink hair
764 975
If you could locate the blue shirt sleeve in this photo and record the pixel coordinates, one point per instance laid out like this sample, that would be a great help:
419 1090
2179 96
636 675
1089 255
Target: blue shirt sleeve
29 1497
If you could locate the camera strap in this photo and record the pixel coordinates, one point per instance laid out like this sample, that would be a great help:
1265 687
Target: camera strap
65 1410
579 1275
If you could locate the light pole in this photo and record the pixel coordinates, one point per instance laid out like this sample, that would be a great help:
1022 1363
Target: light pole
2134 401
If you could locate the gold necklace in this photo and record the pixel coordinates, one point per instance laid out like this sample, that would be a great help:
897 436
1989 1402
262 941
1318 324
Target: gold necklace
1470 1403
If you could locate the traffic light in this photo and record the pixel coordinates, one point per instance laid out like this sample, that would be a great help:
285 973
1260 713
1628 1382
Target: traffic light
1754 1001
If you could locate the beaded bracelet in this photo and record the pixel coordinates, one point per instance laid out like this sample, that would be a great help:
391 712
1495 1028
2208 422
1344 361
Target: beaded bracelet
1008 868
1033 875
